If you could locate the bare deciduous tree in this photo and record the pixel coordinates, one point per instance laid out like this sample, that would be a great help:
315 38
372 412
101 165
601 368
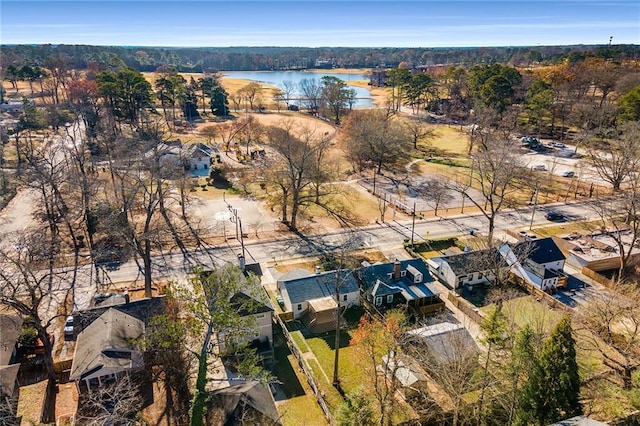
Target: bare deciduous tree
494 171
116 403
616 155
374 139
298 168
611 326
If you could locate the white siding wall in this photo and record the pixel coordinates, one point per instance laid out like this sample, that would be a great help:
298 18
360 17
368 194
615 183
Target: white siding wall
265 326
353 299
557 265
298 313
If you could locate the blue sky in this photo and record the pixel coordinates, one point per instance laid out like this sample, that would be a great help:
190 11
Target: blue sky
308 23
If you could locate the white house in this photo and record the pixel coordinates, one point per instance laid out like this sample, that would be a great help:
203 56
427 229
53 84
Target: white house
466 269
261 314
313 296
542 265
191 157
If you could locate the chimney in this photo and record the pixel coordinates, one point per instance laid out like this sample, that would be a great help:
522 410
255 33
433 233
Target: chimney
396 270
126 296
317 270
241 261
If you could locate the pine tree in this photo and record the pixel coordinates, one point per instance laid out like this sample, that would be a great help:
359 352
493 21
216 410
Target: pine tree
219 101
552 392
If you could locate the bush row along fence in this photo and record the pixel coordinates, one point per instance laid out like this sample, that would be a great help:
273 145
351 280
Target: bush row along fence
307 371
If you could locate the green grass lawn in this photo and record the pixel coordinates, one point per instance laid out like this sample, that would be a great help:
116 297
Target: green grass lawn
349 371
300 407
527 310
302 410
542 319
450 140
299 341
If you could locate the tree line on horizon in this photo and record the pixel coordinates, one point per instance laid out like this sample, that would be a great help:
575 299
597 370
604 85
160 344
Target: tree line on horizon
205 59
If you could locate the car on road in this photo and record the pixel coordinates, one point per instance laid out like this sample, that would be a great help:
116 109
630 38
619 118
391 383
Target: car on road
68 327
568 174
558 144
539 167
526 235
553 215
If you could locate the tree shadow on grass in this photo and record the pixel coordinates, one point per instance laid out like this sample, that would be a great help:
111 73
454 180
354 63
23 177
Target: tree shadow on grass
283 369
330 338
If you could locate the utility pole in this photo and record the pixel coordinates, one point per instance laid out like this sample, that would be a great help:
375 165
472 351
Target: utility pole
413 223
535 205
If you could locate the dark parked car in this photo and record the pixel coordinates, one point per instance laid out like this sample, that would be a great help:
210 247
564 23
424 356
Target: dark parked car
553 215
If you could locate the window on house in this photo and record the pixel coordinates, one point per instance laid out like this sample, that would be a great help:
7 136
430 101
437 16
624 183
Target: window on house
344 297
299 306
378 300
403 273
390 298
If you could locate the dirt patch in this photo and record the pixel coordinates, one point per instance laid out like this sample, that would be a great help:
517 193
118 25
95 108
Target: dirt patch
30 402
66 402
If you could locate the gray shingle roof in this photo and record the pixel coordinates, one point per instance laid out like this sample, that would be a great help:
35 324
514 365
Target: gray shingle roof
10 328
319 285
474 261
100 345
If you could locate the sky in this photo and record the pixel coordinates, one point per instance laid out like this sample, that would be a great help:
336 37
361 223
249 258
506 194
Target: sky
309 23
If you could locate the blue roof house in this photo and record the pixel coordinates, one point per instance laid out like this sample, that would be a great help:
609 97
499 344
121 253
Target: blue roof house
400 283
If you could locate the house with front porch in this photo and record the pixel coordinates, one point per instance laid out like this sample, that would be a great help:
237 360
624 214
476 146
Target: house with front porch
106 350
402 283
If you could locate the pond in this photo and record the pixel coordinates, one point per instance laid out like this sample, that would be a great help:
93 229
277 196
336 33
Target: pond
277 78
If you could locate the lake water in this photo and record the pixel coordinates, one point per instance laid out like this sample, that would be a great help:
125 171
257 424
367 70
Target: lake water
276 78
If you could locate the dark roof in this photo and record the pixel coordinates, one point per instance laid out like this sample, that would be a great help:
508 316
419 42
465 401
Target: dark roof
382 289
378 282
234 400
142 309
10 328
246 305
474 261
541 251
319 285
380 271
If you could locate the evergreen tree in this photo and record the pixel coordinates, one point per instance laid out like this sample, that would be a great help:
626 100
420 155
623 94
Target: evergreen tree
552 392
356 410
219 101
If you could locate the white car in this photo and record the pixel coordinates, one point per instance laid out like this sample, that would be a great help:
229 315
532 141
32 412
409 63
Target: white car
558 145
539 167
68 326
568 174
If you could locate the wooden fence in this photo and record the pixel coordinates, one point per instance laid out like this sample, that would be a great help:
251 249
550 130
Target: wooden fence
540 295
307 371
48 415
607 282
467 308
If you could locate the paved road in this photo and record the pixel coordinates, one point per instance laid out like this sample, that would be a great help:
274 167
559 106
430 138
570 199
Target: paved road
386 236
